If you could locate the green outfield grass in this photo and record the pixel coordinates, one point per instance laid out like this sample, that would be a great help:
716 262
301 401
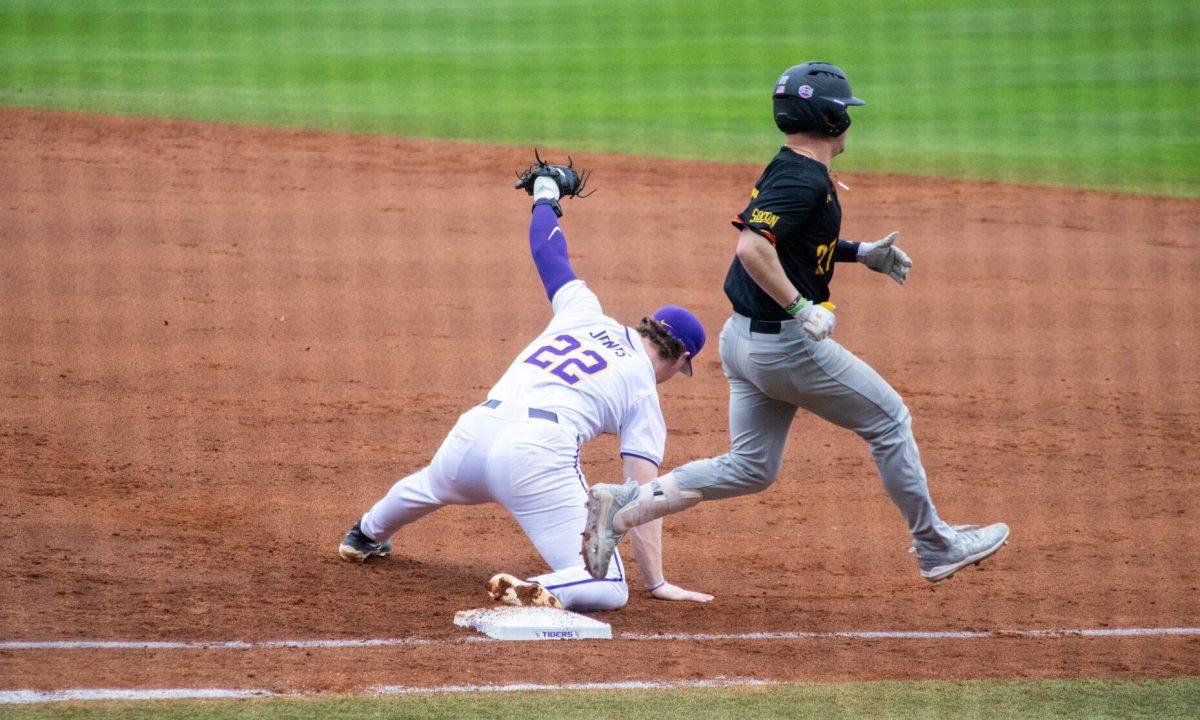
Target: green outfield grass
1095 93
1097 699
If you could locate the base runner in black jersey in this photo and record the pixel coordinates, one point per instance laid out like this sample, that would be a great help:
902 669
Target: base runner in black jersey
778 356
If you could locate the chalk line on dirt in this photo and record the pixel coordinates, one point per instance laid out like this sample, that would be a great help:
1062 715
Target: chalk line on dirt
919 634
226 644
25 697
352 643
619 685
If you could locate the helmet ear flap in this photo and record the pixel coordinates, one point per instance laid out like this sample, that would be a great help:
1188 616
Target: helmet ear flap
837 121
786 123
815 117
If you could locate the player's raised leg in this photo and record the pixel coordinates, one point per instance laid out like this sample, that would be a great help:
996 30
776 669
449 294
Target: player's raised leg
758 432
758 429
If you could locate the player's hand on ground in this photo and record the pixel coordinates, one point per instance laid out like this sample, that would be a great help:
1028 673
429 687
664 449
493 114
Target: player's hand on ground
667 591
883 256
817 321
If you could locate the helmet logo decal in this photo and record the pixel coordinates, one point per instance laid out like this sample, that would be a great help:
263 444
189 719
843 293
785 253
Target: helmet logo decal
805 91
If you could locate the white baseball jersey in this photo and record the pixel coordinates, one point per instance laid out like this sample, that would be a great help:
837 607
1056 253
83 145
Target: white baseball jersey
593 372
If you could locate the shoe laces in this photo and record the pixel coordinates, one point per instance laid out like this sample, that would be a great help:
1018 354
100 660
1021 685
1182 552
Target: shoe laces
628 491
956 528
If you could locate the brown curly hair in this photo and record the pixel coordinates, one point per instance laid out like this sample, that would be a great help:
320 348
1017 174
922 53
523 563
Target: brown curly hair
669 348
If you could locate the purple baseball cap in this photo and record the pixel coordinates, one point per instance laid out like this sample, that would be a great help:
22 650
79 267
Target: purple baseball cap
684 327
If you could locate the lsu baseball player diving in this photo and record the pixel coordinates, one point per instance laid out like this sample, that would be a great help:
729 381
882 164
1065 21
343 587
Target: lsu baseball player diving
777 354
584 375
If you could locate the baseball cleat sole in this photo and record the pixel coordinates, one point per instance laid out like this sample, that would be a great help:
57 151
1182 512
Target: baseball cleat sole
599 505
351 554
945 572
512 590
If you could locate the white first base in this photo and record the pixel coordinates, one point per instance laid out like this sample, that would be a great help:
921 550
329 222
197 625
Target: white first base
532 623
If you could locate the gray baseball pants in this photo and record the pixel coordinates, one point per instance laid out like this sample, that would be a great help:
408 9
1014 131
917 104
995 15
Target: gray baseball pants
770 376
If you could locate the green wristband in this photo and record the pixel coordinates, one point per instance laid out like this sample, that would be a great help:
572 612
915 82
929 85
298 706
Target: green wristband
797 305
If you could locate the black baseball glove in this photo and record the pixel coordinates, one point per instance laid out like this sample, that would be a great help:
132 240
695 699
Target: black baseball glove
570 182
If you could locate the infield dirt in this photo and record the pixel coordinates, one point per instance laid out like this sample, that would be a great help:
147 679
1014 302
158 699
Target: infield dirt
220 344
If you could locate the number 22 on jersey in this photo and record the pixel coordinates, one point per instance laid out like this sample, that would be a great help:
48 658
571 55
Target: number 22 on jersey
589 362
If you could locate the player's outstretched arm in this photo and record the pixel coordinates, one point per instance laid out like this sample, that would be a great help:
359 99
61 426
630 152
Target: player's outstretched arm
547 244
883 256
647 543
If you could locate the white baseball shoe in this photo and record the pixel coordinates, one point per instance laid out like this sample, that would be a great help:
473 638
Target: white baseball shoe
599 538
512 590
971 545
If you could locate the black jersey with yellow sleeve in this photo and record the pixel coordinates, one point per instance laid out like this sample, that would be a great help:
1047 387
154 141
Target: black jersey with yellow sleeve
794 206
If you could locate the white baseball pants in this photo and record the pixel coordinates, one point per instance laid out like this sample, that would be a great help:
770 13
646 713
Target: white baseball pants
531 467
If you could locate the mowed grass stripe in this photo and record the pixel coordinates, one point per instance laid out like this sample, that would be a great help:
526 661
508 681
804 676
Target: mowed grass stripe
1073 92
942 700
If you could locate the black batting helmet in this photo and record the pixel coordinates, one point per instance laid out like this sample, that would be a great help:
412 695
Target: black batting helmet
812 98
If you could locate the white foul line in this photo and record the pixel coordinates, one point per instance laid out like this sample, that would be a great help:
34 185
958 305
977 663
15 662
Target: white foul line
767 636
224 644
919 634
717 682
25 697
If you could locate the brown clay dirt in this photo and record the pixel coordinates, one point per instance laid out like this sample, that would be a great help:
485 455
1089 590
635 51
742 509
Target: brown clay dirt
219 344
